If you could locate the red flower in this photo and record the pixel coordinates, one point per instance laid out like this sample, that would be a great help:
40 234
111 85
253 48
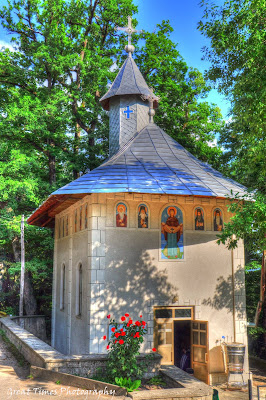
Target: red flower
123 318
121 330
137 323
126 315
121 341
123 333
143 323
140 316
117 334
136 335
154 349
104 338
108 316
130 321
107 347
115 341
113 329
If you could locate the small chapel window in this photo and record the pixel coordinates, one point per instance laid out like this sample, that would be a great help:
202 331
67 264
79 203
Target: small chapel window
62 287
199 219
121 215
63 227
86 216
67 225
217 220
59 228
76 220
80 218
172 244
143 216
79 291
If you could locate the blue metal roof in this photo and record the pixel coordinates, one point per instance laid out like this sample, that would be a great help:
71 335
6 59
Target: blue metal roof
128 81
153 162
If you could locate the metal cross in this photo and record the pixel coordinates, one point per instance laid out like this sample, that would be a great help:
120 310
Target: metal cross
128 112
129 29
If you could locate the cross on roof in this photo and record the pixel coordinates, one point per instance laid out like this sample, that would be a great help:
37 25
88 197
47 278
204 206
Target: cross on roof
129 29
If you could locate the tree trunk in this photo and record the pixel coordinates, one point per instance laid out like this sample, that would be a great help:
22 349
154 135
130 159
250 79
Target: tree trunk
52 172
30 304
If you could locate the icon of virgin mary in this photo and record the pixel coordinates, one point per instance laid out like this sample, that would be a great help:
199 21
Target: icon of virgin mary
172 231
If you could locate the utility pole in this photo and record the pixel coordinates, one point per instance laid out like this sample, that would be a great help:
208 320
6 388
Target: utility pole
22 268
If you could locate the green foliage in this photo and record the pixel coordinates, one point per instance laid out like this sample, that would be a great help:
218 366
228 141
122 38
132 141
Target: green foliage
128 384
252 280
248 223
156 380
182 111
237 54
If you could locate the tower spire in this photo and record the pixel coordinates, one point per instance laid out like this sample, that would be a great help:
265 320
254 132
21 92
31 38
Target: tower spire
129 30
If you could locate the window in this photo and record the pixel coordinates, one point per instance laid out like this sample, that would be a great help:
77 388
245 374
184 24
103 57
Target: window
62 287
80 218
67 226
79 291
76 220
86 216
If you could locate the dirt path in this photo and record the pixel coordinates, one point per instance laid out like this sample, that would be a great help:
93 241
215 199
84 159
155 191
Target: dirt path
15 383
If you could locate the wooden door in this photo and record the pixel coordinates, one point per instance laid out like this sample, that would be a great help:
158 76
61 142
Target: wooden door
164 339
200 350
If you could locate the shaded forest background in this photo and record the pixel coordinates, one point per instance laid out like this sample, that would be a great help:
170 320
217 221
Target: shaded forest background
53 129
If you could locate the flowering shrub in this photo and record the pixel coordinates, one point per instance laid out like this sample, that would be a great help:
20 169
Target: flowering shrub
123 346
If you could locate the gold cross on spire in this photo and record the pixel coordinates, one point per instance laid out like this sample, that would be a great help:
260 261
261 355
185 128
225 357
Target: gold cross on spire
129 30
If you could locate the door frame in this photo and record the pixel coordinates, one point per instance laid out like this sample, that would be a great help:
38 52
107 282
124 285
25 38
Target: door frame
170 320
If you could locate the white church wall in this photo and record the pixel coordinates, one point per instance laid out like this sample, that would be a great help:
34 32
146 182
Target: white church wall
125 273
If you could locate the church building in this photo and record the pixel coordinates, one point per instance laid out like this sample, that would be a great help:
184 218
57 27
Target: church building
137 235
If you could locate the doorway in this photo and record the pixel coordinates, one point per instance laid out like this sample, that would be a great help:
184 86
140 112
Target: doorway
182 344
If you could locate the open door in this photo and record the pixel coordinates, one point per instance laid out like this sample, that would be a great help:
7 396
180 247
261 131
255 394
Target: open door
200 350
164 342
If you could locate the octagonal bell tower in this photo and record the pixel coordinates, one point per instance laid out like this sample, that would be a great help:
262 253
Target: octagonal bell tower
129 101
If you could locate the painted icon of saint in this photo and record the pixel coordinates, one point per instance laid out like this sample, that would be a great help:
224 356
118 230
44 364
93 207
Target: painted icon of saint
218 220
172 231
199 220
121 215
143 218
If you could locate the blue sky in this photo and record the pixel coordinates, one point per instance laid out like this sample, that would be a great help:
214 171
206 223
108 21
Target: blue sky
183 16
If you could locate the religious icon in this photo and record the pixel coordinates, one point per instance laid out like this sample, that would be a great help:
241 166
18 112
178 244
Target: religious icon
199 219
172 234
143 218
217 220
121 215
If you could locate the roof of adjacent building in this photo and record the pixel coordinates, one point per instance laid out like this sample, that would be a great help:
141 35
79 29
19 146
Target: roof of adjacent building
128 81
153 162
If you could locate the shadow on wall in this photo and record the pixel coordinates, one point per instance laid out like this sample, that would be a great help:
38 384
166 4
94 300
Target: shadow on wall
224 292
131 284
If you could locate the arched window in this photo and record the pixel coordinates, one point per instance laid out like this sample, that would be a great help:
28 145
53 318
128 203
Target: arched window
79 291
86 216
67 225
80 218
62 287
76 220
172 244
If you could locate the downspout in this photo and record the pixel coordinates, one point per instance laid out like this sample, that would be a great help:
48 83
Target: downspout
233 291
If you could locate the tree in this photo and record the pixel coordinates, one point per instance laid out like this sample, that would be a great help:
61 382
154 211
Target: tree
236 30
52 125
237 54
182 113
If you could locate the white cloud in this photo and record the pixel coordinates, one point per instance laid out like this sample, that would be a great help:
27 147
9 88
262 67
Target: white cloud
6 45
